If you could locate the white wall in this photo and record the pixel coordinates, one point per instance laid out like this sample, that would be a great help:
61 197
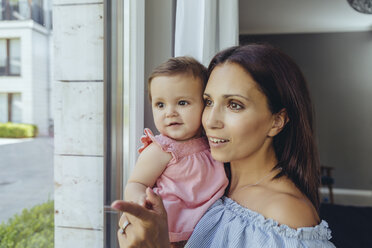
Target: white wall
78 76
294 16
337 67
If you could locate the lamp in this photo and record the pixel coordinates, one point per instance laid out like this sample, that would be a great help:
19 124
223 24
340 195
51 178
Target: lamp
362 6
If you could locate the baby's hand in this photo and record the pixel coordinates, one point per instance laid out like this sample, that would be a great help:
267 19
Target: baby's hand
141 199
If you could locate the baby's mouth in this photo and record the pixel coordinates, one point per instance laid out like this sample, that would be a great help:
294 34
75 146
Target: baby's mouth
174 124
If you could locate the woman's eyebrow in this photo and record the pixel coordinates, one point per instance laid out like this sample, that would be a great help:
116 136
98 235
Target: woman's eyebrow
232 95
229 95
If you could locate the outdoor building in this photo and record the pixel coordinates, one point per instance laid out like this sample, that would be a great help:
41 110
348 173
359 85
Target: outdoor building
25 63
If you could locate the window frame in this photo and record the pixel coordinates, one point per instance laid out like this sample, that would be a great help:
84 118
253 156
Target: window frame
9 100
124 50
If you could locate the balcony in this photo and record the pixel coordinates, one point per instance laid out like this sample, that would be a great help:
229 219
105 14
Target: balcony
22 10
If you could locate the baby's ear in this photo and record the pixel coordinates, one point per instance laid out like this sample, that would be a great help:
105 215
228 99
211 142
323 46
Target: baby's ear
280 120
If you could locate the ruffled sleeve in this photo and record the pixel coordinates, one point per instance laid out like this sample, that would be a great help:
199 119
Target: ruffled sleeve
165 143
146 139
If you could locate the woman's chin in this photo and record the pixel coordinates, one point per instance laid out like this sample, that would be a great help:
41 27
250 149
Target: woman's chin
219 157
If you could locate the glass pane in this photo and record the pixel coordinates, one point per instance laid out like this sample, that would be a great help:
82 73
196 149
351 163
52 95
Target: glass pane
37 11
24 9
15 57
2 56
1 10
13 3
3 107
26 142
13 10
16 108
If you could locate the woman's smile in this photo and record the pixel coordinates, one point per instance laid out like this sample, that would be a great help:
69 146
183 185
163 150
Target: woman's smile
217 142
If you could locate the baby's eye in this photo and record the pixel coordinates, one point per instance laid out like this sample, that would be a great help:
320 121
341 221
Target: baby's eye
208 102
183 103
235 106
159 105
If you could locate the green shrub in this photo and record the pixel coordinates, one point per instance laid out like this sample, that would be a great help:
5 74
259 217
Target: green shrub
34 228
17 130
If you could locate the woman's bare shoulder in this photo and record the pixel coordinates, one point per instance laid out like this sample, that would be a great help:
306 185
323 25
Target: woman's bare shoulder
291 210
281 201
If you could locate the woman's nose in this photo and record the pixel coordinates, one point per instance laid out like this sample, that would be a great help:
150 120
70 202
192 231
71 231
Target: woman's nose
212 118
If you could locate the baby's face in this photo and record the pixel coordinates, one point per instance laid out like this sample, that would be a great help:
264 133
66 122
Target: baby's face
177 106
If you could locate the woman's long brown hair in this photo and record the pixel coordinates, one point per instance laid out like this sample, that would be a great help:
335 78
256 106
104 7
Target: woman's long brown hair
284 85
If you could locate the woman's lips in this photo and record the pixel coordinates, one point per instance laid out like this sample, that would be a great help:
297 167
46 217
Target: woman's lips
217 142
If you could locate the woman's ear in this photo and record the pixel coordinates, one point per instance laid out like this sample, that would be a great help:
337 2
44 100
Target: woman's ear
280 120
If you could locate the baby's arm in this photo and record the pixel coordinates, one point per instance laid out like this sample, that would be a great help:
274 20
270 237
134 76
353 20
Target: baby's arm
150 165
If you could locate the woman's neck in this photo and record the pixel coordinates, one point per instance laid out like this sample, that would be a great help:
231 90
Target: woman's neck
251 169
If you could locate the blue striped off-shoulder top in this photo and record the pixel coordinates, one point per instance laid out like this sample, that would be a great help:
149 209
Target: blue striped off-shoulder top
227 224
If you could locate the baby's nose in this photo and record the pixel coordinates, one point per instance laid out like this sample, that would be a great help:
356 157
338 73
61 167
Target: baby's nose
171 112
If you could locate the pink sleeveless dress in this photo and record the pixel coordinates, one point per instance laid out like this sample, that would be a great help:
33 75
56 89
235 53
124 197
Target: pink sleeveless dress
191 182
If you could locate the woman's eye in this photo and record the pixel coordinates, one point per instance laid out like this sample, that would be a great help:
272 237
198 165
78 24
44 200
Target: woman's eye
235 106
159 105
208 102
183 103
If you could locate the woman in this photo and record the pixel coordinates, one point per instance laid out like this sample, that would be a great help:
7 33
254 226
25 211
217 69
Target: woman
258 119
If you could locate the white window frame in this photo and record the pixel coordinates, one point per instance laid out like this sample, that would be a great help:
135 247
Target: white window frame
124 100
134 90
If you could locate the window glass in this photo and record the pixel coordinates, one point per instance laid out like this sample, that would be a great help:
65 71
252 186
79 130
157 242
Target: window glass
16 108
3 107
37 11
26 138
12 10
24 9
3 55
15 57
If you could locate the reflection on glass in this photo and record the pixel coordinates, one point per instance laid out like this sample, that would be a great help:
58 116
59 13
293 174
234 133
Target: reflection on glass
10 57
15 57
26 141
16 107
2 56
22 10
10 107
3 107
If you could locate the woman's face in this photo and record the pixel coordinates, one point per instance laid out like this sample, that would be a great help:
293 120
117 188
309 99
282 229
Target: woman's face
236 117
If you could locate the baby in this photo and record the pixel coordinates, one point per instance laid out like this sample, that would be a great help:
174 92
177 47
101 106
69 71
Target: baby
177 164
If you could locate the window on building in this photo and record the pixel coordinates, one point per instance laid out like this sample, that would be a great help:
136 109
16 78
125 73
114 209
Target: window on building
22 9
10 57
10 107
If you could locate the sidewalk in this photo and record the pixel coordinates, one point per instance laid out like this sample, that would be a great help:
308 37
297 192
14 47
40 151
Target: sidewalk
6 141
26 174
